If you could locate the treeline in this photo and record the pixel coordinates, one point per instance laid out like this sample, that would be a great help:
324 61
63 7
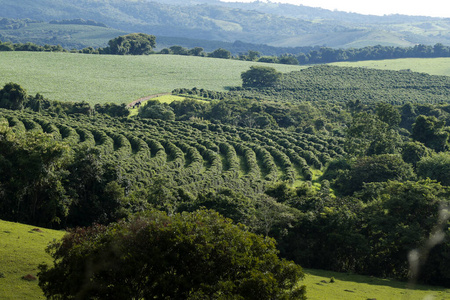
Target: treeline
143 44
13 96
78 22
10 24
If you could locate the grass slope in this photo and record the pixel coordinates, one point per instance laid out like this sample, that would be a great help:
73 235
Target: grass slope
119 79
432 66
350 286
21 251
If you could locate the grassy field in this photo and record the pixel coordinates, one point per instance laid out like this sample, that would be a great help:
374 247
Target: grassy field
119 79
349 286
21 251
433 66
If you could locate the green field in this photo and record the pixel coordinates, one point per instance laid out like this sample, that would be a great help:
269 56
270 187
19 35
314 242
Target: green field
433 66
350 286
119 79
21 251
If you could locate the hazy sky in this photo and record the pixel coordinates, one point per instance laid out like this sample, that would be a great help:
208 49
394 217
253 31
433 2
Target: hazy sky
435 8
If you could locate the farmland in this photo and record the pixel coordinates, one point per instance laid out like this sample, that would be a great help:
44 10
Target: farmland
327 161
118 79
432 66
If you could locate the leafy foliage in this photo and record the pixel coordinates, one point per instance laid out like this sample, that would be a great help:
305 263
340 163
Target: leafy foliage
185 256
132 44
260 77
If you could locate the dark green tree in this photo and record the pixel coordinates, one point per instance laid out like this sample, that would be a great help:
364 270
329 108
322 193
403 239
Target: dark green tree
12 96
431 132
259 77
154 109
403 219
413 152
436 167
32 172
196 51
132 44
376 168
220 53
198 255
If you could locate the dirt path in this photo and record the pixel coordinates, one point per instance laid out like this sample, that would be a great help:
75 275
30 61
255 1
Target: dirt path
140 100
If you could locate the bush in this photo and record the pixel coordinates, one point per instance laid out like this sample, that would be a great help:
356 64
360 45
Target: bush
186 256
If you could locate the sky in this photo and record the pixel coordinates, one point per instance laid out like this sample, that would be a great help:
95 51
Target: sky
433 8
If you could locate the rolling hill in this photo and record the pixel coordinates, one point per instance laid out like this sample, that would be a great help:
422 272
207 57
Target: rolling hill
259 23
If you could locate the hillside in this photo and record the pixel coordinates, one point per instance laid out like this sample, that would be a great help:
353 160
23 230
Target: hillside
22 250
338 164
68 36
258 23
119 79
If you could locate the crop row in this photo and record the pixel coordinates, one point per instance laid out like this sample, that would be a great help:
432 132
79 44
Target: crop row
187 154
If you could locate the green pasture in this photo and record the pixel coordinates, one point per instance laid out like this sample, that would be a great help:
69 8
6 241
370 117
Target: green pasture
358 287
22 249
118 79
433 66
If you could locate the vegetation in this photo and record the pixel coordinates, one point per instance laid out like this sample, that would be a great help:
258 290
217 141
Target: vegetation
24 249
343 167
258 23
185 256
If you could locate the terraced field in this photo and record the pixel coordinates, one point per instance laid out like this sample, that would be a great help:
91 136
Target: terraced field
193 155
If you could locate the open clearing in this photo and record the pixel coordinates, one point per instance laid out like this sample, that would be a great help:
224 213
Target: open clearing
118 79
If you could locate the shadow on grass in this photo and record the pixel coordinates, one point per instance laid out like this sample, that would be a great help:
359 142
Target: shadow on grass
372 280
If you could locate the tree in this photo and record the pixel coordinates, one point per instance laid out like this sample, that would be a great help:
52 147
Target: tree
260 77
388 114
198 255
288 60
436 167
376 168
430 131
156 110
12 96
178 50
220 53
132 44
196 51
368 135
32 172
413 152
404 217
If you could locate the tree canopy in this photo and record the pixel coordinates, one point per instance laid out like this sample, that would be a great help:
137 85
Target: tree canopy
259 76
132 44
198 255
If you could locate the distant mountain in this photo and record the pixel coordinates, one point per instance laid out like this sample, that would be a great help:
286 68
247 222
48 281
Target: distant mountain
273 24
